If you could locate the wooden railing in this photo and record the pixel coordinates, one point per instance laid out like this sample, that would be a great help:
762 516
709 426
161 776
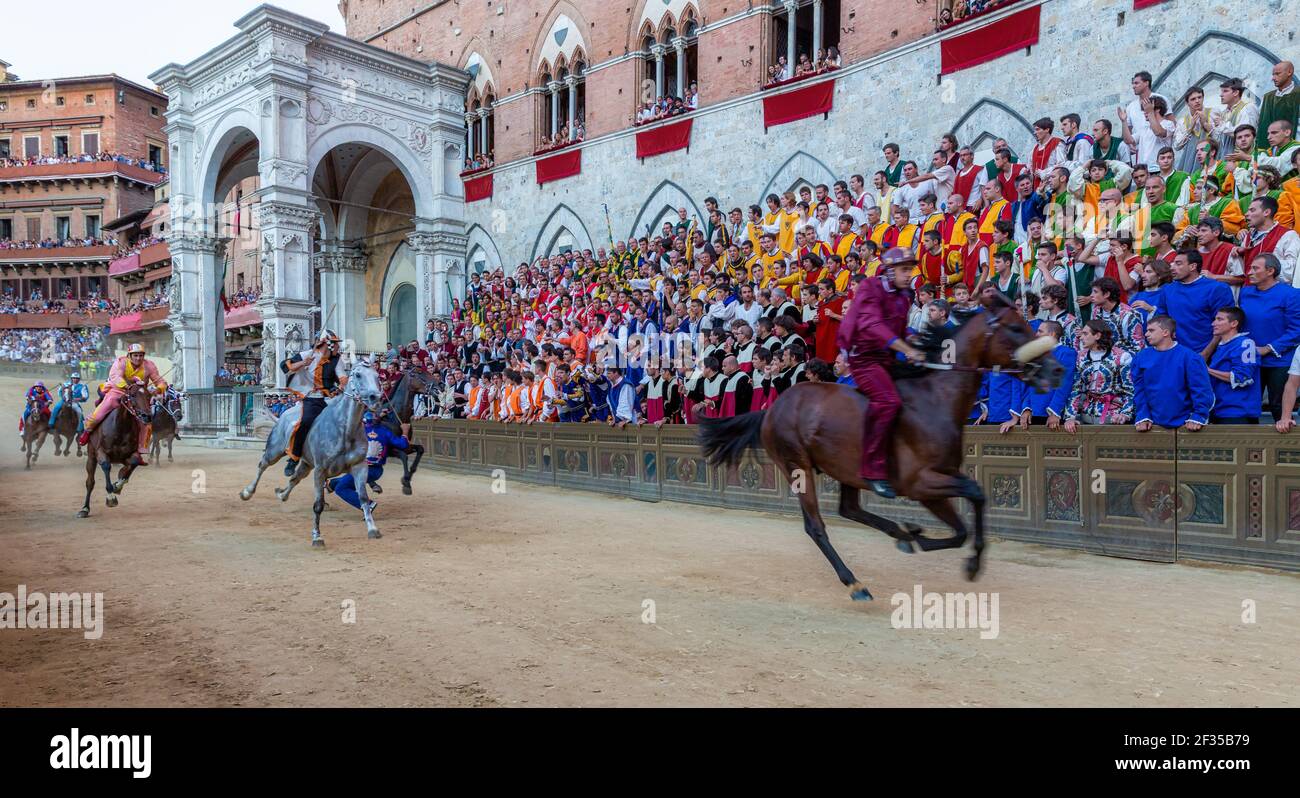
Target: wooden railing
1226 495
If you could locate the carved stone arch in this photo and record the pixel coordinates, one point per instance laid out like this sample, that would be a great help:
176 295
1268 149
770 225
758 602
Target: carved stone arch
476 59
479 238
562 218
1213 52
666 195
798 168
414 168
648 12
990 119
580 23
230 126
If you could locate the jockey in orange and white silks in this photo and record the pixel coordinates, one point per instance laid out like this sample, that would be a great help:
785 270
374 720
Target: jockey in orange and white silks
126 370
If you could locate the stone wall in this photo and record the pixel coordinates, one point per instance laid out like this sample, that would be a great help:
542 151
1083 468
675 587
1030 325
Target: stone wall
1084 61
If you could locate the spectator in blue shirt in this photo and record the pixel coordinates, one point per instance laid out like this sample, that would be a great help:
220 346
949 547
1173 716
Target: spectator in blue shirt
1048 407
1155 276
1171 384
1234 370
1191 300
1272 311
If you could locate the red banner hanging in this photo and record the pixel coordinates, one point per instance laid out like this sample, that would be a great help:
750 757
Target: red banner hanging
1145 3
478 188
1016 32
660 140
792 106
558 167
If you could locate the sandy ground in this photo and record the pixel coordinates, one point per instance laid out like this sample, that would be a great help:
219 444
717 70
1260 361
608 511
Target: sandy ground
535 598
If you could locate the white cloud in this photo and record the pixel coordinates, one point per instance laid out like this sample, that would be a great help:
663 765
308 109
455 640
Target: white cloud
131 37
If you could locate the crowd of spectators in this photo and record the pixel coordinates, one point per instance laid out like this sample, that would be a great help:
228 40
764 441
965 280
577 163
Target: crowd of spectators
1170 292
669 106
238 372
153 299
139 246
242 297
53 243
479 162
50 160
827 60
12 303
58 346
952 12
563 138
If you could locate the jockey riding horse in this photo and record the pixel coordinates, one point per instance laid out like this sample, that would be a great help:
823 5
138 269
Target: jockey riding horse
313 376
129 369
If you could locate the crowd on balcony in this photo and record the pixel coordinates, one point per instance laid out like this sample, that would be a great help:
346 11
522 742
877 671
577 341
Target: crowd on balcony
1159 254
152 299
55 243
12 303
139 246
567 136
50 160
953 12
667 107
59 346
242 297
479 162
827 60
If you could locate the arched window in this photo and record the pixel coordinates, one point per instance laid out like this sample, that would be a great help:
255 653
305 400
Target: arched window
803 32
562 243
670 63
564 109
401 315
480 132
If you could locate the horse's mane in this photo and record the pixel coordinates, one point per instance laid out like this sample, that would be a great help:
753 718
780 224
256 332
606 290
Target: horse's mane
931 342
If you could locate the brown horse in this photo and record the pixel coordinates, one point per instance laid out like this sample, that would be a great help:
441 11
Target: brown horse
818 427
35 427
115 441
64 430
167 414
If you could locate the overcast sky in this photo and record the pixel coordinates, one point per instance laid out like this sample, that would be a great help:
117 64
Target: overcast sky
131 37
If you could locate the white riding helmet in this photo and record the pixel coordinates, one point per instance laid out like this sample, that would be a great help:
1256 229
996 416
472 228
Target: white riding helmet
74 376
327 335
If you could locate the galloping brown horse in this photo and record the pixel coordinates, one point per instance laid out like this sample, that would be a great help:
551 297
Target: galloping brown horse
115 441
818 427
36 426
64 429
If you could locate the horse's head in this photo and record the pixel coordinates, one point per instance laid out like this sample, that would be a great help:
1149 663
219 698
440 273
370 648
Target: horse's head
418 380
139 402
1012 344
363 385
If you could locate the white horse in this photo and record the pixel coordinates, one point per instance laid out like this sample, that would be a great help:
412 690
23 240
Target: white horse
335 445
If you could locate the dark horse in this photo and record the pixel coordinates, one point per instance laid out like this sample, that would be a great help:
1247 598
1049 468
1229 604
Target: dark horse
114 441
65 427
413 383
167 416
818 427
35 427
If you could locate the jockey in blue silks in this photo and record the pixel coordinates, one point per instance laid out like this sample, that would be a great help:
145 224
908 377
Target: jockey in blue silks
37 396
74 391
378 439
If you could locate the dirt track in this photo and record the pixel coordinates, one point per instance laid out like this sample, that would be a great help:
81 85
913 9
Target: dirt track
535 598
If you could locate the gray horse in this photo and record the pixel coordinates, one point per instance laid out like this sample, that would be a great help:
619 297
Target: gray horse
336 445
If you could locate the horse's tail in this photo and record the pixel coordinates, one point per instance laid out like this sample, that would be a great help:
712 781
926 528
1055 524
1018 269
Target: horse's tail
724 440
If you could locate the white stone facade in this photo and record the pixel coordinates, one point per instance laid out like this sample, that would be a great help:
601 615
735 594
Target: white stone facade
297 91
1083 63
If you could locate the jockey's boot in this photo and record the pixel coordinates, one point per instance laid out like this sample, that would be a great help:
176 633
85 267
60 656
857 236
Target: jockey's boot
290 466
882 488
84 438
141 459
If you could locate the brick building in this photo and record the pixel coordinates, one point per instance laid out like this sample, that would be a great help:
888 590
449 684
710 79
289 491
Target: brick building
75 154
599 61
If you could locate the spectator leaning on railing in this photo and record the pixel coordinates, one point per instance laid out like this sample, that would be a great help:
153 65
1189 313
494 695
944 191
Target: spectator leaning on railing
51 160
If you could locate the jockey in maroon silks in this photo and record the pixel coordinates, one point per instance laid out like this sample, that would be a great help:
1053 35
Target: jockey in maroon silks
872 333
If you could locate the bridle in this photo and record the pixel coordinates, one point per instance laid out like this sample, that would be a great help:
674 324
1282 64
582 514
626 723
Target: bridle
139 416
991 327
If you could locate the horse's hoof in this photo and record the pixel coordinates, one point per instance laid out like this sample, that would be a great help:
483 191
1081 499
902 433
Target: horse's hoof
111 501
972 569
860 592
281 495
406 489
375 487
318 543
245 495
905 546
83 513
374 534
